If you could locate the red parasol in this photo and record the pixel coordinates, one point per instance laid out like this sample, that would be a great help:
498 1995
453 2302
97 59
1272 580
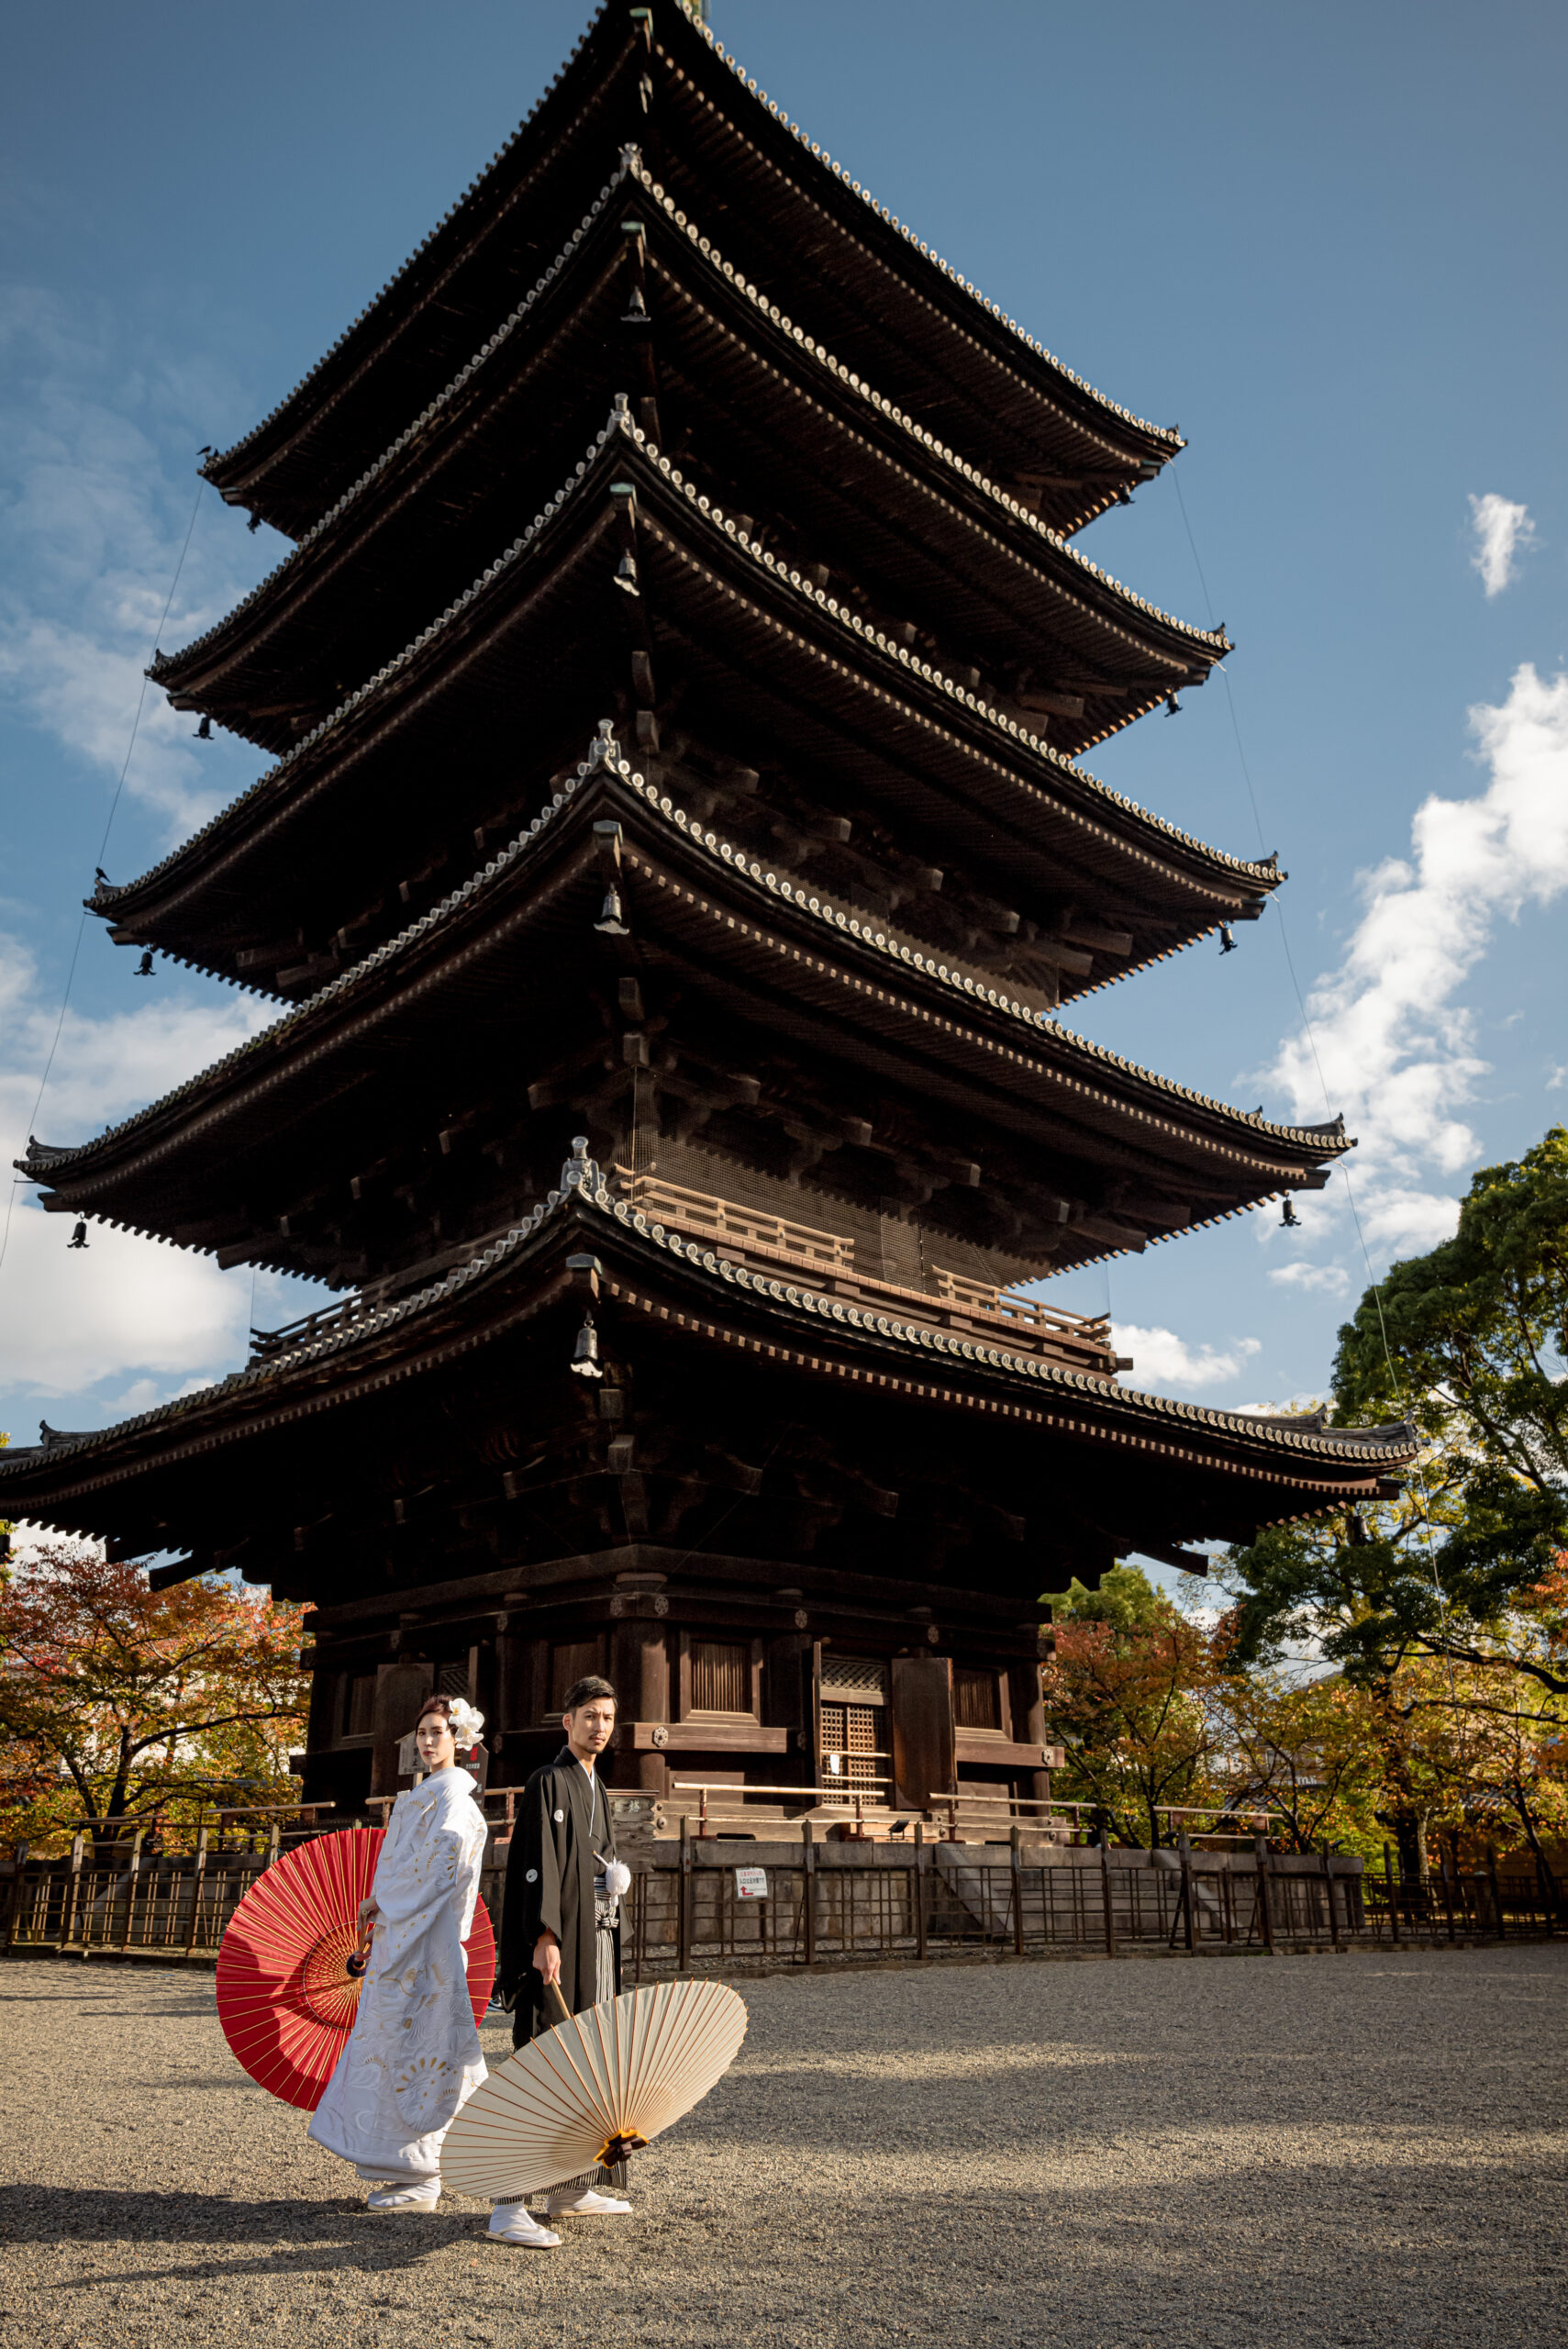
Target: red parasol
288 1992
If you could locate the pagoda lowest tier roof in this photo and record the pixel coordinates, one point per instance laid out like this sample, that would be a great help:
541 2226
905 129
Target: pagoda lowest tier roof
510 959
794 221
791 677
195 1469
773 425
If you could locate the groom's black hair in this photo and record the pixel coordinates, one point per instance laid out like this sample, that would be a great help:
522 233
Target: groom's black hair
582 1692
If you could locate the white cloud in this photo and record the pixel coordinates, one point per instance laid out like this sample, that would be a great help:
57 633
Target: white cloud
1397 1052
91 529
1332 1279
151 1319
1161 1360
1502 532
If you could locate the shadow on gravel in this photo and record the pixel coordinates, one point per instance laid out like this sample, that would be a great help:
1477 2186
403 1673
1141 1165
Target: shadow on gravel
289 2237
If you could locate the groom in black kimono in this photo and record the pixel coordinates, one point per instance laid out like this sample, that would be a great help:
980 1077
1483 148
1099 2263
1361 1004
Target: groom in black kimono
559 1921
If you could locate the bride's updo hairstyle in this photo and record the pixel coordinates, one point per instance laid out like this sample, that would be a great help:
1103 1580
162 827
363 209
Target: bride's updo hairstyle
463 1720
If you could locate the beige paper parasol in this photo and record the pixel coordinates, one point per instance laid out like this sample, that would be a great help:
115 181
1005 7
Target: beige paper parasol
597 2087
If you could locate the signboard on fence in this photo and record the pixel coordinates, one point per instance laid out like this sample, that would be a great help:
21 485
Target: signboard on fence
750 1884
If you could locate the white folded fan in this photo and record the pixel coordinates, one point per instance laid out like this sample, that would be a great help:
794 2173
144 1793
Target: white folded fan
596 2088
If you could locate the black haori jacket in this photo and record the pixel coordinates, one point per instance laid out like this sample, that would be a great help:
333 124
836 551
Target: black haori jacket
560 1824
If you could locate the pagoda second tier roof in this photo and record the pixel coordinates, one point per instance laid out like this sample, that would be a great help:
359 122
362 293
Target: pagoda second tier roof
787 668
499 962
1184 1472
805 231
776 422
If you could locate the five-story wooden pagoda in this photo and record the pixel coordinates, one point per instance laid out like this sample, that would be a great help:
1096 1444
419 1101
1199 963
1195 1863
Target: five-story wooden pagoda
674 862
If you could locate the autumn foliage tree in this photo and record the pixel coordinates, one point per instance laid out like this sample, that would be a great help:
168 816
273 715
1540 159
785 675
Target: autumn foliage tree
1128 1693
120 1703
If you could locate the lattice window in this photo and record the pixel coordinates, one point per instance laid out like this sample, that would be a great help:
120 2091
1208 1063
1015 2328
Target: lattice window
861 1678
975 1698
721 1677
855 1760
451 1678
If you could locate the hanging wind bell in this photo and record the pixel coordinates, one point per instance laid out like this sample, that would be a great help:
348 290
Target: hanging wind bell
144 968
1227 942
204 731
1290 1220
585 1352
609 920
79 1237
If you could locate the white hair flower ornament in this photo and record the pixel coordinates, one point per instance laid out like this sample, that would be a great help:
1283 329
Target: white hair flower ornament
467 1720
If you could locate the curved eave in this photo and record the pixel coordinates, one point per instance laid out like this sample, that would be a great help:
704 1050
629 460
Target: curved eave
305 451
1008 569
309 441
916 1013
994 744
641 1265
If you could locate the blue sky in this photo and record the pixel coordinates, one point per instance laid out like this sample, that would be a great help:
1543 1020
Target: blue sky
1325 242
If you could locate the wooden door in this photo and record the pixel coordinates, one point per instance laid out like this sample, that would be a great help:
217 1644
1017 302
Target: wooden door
924 1756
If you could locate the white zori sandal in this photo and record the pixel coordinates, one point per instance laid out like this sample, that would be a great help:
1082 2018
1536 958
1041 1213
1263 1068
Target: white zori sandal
585 2204
405 2194
515 2222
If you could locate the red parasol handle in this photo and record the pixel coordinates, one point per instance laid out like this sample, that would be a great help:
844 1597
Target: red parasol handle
358 1957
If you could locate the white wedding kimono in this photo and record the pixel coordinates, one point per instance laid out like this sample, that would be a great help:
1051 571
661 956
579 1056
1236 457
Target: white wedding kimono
413 2058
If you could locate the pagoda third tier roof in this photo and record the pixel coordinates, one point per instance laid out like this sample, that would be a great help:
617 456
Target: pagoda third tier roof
796 222
214 1463
772 424
508 967
780 672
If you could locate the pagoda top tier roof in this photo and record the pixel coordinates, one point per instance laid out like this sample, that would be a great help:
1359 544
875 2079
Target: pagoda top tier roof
1224 1473
697 904
795 221
784 423
799 666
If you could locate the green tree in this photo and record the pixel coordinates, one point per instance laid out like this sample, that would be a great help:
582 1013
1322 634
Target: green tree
1127 1692
1468 1343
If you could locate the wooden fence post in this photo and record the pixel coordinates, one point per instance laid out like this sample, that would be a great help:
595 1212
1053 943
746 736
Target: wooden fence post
808 1887
1496 1892
1392 1893
1329 1895
920 1889
1448 1871
1265 1906
1107 1904
131 1881
1018 1892
72 1897
1189 1909
684 1923
15 1907
198 1883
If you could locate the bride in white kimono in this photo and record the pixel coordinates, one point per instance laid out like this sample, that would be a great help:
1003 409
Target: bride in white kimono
413 2058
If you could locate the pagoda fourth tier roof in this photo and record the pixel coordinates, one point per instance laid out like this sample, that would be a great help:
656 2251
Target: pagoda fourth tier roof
214 1463
775 425
1090 1150
798 225
779 426
780 673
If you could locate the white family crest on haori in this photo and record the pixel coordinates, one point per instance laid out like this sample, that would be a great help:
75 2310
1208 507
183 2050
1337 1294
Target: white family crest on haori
413 2057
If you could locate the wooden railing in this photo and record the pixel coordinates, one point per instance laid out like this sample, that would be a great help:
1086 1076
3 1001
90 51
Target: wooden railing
1027 1312
723 1219
1085 1341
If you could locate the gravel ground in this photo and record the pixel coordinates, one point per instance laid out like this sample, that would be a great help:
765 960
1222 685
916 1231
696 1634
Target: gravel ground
1364 2149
